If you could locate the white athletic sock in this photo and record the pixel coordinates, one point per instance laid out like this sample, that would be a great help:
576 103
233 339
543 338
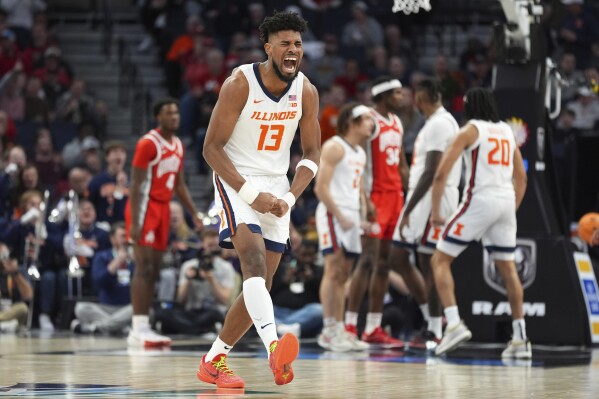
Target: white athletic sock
424 310
140 322
330 325
373 320
519 330
259 305
435 324
218 348
452 315
351 318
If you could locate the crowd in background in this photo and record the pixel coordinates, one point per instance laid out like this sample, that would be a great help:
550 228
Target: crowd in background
53 136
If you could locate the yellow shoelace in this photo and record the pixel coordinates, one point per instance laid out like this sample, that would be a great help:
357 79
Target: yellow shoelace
273 346
222 365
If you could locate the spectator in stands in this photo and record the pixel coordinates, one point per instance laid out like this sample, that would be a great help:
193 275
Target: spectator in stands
15 289
33 56
397 45
9 51
201 78
480 72
77 107
180 50
325 16
37 109
28 179
578 31
567 68
332 101
112 269
47 162
398 69
205 291
108 190
53 69
21 238
451 88
238 48
72 153
12 100
295 294
361 33
378 62
53 88
224 18
325 69
12 167
351 77
78 180
91 239
586 109
20 17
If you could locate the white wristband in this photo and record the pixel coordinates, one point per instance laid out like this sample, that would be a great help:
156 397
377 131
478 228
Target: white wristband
308 164
248 193
289 198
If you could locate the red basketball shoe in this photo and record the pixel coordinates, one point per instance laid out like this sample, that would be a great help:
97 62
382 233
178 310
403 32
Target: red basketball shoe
380 337
282 353
217 372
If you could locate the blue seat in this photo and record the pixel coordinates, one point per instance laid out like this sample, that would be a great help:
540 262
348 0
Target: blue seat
26 132
62 133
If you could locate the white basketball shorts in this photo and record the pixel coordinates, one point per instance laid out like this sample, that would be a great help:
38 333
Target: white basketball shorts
331 236
234 211
490 218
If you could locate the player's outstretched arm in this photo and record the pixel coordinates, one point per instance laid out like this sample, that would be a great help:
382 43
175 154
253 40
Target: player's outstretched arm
466 137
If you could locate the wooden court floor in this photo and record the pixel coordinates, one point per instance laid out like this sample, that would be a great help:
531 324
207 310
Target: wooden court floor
67 366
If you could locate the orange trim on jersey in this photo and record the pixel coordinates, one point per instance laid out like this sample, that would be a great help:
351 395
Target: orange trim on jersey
226 205
468 193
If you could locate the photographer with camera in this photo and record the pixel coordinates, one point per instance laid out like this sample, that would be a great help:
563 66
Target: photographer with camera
14 290
204 293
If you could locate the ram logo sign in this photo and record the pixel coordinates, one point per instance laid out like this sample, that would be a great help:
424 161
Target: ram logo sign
486 308
526 266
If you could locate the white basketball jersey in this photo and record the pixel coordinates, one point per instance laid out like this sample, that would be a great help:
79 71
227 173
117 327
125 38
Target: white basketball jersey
262 136
345 183
436 135
490 160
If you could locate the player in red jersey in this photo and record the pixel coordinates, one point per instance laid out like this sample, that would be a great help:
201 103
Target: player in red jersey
157 174
387 168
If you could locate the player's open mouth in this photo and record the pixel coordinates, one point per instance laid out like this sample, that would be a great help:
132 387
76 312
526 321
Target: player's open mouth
289 64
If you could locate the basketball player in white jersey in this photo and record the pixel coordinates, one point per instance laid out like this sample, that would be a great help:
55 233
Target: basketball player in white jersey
413 232
340 189
259 109
496 182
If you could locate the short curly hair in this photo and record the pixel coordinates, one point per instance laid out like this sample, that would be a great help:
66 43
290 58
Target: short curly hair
281 21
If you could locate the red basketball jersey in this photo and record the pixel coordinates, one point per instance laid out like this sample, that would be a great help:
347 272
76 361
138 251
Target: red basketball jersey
163 161
384 150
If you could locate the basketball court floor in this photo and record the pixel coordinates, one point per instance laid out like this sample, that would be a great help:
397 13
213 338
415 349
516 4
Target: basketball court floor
67 366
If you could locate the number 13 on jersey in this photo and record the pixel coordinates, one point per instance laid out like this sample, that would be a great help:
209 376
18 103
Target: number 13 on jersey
270 137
